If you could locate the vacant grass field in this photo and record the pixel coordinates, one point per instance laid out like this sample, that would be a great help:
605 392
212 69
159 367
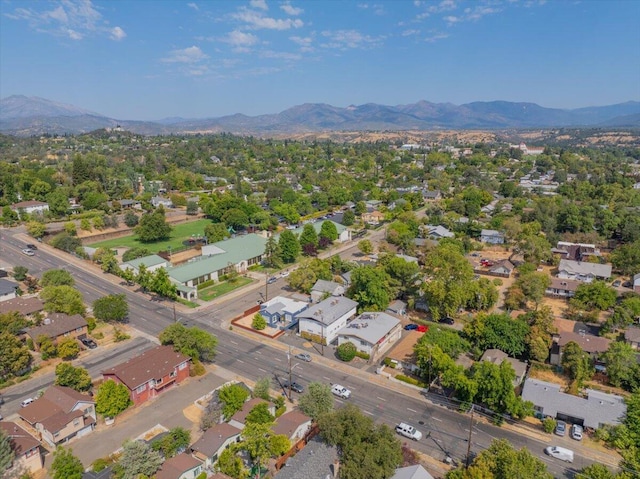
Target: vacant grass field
212 292
179 233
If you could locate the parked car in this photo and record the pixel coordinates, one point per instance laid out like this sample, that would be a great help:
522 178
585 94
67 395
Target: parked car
561 453
409 431
90 343
576 432
28 252
272 280
26 402
411 327
340 391
32 246
303 357
294 386
446 320
561 428
284 274
422 328
617 283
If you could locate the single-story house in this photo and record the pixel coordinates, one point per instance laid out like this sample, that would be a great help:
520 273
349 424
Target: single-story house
214 440
239 419
30 207
502 268
151 262
324 288
292 424
220 258
322 321
581 271
26 448
632 336
8 290
373 218
61 414
129 204
22 305
347 278
432 195
594 345
593 411
497 357
373 204
158 200
491 237
371 333
60 325
106 473
562 288
412 472
636 283
407 258
282 311
436 232
150 373
397 307
344 233
403 355
182 466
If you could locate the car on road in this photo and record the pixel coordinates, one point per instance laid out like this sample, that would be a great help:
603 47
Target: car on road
561 453
28 252
272 280
294 386
90 343
26 402
576 432
446 320
284 274
411 327
340 391
32 246
561 428
303 357
617 283
409 431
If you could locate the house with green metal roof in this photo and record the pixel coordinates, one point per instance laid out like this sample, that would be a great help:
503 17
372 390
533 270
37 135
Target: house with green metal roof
151 262
344 234
220 258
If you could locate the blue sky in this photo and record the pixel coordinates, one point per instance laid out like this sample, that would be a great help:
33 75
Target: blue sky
153 59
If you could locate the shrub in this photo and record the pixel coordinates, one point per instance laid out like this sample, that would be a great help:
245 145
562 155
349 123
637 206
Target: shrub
389 362
362 355
91 323
408 380
119 335
197 369
346 351
258 323
549 424
497 282
205 284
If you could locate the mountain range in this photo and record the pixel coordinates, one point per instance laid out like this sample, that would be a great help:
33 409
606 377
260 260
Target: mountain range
26 116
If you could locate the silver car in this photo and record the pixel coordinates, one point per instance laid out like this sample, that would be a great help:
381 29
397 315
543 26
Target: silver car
303 357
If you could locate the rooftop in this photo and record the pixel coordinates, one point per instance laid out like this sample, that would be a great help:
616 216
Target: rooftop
213 438
370 327
588 342
584 268
147 261
22 305
330 310
57 324
313 462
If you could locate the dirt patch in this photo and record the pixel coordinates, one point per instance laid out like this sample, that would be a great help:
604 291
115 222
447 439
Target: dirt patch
246 321
549 376
193 413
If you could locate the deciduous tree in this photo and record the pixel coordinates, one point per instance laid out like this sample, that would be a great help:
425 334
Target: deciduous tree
62 299
113 307
76 378
112 398
317 401
56 277
193 342
289 246
233 396
577 362
65 465
138 458
153 226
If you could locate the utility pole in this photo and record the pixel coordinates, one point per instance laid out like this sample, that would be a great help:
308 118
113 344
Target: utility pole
289 360
266 287
469 442
175 319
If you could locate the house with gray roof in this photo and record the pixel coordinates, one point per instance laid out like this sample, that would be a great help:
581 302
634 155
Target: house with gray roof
324 288
371 333
582 271
412 472
562 288
151 262
8 289
593 410
322 321
497 357
491 237
213 442
635 283
282 312
159 200
436 232
220 258
632 336
591 344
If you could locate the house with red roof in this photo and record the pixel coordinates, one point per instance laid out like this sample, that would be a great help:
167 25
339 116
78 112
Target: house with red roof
150 373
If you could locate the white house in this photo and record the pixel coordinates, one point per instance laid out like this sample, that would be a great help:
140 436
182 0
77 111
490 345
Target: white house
436 232
581 271
7 289
636 283
30 207
324 288
371 333
491 237
213 442
636 186
322 321
158 200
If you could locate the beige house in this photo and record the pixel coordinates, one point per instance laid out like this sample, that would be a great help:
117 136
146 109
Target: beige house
182 466
292 424
28 454
60 415
214 440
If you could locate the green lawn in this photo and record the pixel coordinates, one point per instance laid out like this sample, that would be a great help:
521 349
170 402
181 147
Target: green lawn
212 292
179 233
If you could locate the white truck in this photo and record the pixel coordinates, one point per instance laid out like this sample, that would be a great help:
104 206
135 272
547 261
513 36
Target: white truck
409 431
340 391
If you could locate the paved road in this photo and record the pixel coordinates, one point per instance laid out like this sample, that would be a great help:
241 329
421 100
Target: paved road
252 359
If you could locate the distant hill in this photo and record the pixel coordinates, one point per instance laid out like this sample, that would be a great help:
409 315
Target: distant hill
24 116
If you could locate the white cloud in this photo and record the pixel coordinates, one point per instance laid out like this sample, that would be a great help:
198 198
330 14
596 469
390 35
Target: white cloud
377 8
117 33
343 39
261 4
452 20
438 36
303 42
291 10
410 33
194 6
74 19
281 55
257 20
191 54
241 40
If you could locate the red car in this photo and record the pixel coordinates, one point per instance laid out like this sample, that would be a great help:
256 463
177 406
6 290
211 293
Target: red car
422 328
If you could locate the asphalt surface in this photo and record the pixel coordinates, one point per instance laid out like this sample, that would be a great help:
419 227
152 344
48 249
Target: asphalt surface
446 431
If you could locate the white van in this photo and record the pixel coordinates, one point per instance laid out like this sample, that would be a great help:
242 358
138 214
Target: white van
561 453
406 430
26 402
